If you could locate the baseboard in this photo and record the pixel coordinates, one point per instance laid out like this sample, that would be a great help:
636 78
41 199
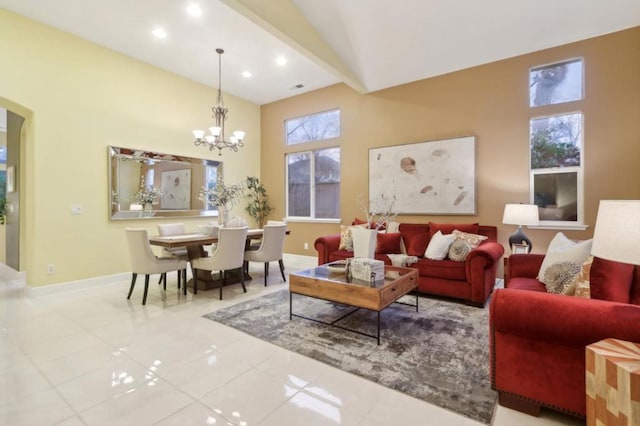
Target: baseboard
76 285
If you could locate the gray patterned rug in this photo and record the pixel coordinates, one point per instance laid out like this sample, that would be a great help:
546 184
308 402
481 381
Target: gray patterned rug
439 355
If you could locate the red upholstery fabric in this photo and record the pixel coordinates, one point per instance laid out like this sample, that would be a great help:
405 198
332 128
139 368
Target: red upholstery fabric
447 269
418 244
411 231
447 228
388 243
372 225
634 294
610 280
538 339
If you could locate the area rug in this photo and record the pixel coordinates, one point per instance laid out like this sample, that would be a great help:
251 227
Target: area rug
439 354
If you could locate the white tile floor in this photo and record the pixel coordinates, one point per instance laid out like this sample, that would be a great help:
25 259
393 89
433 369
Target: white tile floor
92 357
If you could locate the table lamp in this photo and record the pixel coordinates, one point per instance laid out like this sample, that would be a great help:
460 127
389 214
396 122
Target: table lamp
617 232
521 215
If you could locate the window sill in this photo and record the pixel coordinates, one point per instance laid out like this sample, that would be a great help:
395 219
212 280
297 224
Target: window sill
310 220
561 226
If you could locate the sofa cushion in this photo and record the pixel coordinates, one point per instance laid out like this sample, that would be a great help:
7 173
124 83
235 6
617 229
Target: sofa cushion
562 249
473 240
581 281
389 243
559 277
444 269
522 283
447 228
438 247
634 294
417 244
459 250
610 280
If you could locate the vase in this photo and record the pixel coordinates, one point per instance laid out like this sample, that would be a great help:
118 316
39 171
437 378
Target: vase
364 242
148 207
223 215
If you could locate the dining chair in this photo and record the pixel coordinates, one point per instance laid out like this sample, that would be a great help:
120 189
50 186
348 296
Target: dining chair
270 250
228 255
167 230
144 261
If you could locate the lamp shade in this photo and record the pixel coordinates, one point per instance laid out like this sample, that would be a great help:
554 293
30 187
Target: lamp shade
617 233
520 214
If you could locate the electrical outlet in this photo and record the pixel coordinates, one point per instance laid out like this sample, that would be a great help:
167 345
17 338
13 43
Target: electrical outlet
51 269
306 246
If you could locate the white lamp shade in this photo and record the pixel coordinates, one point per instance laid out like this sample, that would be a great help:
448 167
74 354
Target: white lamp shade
617 233
520 214
215 131
239 134
198 134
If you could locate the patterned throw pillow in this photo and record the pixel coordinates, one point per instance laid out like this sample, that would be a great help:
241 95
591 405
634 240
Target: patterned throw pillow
473 240
559 277
562 249
346 239
581 280
459 250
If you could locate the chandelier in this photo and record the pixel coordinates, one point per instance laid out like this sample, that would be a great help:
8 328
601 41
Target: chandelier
216 139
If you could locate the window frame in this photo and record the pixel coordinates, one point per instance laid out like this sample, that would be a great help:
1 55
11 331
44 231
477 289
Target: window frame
286 138
312 186
551 64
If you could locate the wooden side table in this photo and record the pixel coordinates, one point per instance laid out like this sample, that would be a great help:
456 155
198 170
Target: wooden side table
613 383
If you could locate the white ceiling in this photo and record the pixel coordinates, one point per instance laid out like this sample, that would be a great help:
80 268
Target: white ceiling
367 44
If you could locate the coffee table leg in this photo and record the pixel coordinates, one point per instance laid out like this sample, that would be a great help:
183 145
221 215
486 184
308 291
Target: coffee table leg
416 301
378 328
290 305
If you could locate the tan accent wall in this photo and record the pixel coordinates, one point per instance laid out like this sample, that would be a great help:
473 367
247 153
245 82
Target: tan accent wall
490 102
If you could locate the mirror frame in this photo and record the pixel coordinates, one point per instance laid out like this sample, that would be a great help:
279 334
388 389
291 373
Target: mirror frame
118 155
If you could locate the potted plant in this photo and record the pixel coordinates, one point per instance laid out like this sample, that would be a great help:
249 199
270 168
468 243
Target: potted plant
258 206
377 212
147 195
222 196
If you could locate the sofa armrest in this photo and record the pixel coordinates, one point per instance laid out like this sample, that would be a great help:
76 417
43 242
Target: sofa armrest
523 266
562 320
326 245
481 267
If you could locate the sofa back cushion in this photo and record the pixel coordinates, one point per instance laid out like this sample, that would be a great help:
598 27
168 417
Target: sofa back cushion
634 296
389 243
611 280
416 237
447 228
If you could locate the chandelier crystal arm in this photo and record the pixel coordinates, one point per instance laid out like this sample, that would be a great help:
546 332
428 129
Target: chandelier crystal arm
217 140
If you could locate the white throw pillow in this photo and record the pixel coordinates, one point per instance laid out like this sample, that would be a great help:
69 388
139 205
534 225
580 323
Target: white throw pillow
562 249
438 247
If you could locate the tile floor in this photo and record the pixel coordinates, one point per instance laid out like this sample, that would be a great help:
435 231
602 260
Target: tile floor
92 357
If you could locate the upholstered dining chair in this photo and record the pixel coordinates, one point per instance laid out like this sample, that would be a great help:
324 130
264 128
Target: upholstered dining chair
144 261
270 250
167 230
228 255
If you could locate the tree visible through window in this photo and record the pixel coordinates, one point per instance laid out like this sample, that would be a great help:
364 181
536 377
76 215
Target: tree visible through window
313 184
556 83
314 127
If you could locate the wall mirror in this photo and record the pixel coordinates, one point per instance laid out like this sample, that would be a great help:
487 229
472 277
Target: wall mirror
146 185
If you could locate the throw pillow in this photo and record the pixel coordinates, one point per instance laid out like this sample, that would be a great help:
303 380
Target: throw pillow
438 247
389 243
418 244
562 249
346 239
609 280
393 227
559 277
581 280
446 228
459 250
473 240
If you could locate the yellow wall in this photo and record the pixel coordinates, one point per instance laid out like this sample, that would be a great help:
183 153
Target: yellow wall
83 98
491 102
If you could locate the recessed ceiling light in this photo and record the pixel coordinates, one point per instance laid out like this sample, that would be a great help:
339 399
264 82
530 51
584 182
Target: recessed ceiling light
160 33
281 60
194 10
246 74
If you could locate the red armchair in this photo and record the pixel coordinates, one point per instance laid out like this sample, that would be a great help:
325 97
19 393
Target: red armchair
538 339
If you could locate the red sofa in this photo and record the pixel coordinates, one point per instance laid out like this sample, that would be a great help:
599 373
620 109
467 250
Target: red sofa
471 280
538 339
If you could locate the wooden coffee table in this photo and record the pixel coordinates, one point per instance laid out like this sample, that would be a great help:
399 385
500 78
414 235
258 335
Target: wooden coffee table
323 283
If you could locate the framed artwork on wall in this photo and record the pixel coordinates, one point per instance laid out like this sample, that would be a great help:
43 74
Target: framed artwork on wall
176 190
435 177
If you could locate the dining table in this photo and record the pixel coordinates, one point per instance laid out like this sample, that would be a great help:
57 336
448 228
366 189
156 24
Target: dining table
194 243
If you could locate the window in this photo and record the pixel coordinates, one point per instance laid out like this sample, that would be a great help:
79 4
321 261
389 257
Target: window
555 83
313 184
556 144
314 127
556 167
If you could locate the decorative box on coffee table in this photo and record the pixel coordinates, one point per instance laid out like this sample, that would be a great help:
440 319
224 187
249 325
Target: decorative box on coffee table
613 383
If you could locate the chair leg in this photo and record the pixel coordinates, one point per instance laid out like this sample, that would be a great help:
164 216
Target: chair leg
164 282
163 277
223 281
266 272
245 266
281 263
179 271
146 289
184 281
133 284
195 281
242 279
